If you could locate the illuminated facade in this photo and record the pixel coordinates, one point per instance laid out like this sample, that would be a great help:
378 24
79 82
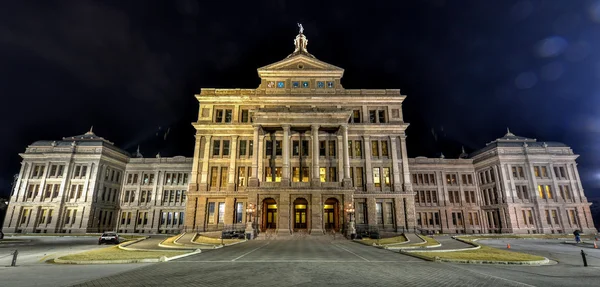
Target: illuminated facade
294 156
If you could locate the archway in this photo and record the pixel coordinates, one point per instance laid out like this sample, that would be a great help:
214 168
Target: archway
300 214
269 215
331 214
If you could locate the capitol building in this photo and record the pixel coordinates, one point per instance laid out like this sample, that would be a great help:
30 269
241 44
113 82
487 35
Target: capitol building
298 154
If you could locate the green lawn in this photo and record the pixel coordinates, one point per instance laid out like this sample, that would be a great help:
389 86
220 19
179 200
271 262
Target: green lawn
115 253
524 236
428 242
385 241
484 253
215 241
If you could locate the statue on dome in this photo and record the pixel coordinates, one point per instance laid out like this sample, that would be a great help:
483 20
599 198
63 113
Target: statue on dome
301 28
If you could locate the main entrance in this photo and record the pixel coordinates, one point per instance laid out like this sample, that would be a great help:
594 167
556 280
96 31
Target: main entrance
270 214
300 213
331 210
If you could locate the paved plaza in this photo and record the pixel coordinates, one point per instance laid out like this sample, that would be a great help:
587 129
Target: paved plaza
303 262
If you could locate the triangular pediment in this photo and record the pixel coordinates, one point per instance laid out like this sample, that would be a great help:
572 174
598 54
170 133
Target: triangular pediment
300 62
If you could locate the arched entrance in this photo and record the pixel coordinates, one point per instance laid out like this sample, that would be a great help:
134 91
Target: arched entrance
269 217
300 214
331 214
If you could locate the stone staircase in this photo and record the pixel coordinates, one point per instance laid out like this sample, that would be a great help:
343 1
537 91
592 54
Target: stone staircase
301 234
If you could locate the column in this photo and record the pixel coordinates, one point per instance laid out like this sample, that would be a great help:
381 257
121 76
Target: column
405 171
397 187
316 215
253 180
315 180
261 157
285 177
347 180
368 168
232 157
204 175
196 165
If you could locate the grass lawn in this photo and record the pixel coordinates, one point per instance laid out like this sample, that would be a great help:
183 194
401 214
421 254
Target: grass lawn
428 242
483 253
522 236
215 241
114 253
385 241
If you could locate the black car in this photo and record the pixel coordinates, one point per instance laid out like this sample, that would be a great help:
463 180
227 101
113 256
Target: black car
111 237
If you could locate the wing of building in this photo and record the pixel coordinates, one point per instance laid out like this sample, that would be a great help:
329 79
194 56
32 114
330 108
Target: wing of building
298 154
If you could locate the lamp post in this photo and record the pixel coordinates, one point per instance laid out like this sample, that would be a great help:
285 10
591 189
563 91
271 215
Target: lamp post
249 228
350 211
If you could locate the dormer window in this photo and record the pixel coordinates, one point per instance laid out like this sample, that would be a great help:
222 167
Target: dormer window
295 84
305 84
330 85
320 85
281 84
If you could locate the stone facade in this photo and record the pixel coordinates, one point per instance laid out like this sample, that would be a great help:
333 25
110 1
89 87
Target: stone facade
297 154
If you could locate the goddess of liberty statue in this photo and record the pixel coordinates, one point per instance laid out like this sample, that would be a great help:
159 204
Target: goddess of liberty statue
301 28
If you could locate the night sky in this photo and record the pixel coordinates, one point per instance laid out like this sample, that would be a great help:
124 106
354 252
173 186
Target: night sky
469 68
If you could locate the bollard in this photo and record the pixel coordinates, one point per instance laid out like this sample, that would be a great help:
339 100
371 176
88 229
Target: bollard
583 254
14 260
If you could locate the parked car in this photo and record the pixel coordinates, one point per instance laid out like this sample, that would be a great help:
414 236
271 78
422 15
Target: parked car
111 237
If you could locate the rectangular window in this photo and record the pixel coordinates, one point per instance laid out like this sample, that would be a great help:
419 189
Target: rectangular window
541 191
350 148
305 148
555 216
376 177
244 117
214 175
322 148
224 176
225 147
211 213
305 174
242 176
389 213
322 174
549 192
359 177
239 212
357 148
216 147
295 174
379 210
384 148
356 116
295 148
243 147
250 147
544 172
372 116
374 148
218 116
381 116
536 171
278 148
221 212
386 176
332 176
332 148
521 172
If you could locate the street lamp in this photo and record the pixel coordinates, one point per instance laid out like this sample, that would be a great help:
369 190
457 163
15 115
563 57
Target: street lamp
350 211
249 228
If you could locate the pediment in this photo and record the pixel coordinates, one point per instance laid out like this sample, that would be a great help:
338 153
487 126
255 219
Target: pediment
300 62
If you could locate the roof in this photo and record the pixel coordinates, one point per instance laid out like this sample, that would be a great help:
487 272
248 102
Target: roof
512 140
87 139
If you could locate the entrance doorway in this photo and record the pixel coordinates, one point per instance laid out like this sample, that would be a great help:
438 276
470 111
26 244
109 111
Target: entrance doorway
270 214
331 214
300 207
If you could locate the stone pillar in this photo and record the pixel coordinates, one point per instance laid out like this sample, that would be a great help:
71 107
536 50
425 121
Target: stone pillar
405 171
371 211
253 180
347 180
229 208
261 158
204 175
316 215
285 177
400 216
315 180
397 187
231 186
195 165
283 215
368 168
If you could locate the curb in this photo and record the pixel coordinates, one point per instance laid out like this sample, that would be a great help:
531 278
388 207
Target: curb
180 247
178 237
538 262
61 261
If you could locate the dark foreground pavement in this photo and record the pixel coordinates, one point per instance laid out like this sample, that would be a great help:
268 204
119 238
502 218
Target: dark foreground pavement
301 263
